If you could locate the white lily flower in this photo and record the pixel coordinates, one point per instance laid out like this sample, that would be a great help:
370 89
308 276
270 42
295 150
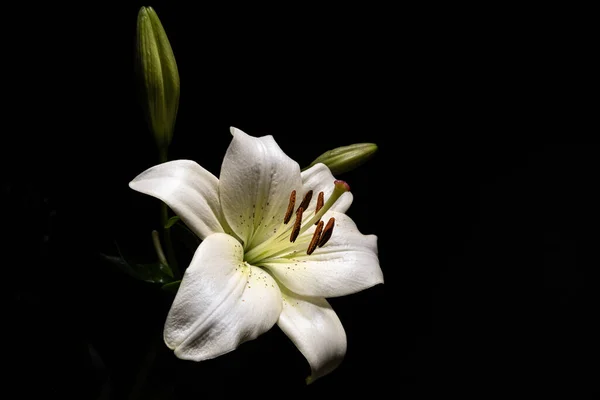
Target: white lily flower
265 258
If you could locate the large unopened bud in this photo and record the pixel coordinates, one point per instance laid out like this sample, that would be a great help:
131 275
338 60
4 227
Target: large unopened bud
346 158
158 77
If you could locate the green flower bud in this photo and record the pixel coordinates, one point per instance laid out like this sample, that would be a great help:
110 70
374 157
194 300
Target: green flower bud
346 158
158 77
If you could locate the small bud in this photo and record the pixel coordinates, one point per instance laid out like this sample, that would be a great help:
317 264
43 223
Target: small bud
346 158
158 77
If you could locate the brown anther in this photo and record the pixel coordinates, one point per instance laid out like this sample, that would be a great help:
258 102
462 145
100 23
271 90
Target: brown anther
327 232
297 223
320 202
290 209
306 200
315 239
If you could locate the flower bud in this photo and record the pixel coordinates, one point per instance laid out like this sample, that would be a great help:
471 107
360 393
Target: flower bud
346 158
158 77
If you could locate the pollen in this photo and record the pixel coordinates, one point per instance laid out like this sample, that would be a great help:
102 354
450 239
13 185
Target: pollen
297 225
315 239
290 209
327 232
285 239
320 202
306 200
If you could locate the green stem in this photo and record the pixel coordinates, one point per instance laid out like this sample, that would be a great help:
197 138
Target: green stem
144 371
164 217
158 248
164 213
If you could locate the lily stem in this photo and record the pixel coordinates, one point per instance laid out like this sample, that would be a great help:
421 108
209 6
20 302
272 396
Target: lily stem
158 248
142 375
164 217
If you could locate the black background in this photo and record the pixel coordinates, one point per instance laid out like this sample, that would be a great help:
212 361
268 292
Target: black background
480 194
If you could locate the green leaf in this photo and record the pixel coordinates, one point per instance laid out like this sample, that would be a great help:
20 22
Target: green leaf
172 221
123 265
171 286
153 272
166 270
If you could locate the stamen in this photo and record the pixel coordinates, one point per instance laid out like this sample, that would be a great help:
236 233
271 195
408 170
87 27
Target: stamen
327 232
315 239
290 209
306 200
320 202
297 223
279 243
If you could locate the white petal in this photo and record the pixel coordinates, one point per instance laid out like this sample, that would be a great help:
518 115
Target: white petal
188 189
221 303
319 178
346 264
316 330
256 180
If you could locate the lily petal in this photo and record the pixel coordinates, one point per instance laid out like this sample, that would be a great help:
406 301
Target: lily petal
315 329
221 303
319 178
189 190
346 264
256 180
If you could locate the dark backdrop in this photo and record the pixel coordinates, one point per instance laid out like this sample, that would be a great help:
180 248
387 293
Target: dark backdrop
480 195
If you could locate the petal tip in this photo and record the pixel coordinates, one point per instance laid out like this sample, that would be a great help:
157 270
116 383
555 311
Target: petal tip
166 341
183 355
233 130
133 184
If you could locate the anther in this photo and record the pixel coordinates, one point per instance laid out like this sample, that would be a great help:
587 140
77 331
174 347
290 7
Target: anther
327 232
297 223
315 239
306 200
320 202
290 209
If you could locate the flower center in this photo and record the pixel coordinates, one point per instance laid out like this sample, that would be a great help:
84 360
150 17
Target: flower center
288 238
